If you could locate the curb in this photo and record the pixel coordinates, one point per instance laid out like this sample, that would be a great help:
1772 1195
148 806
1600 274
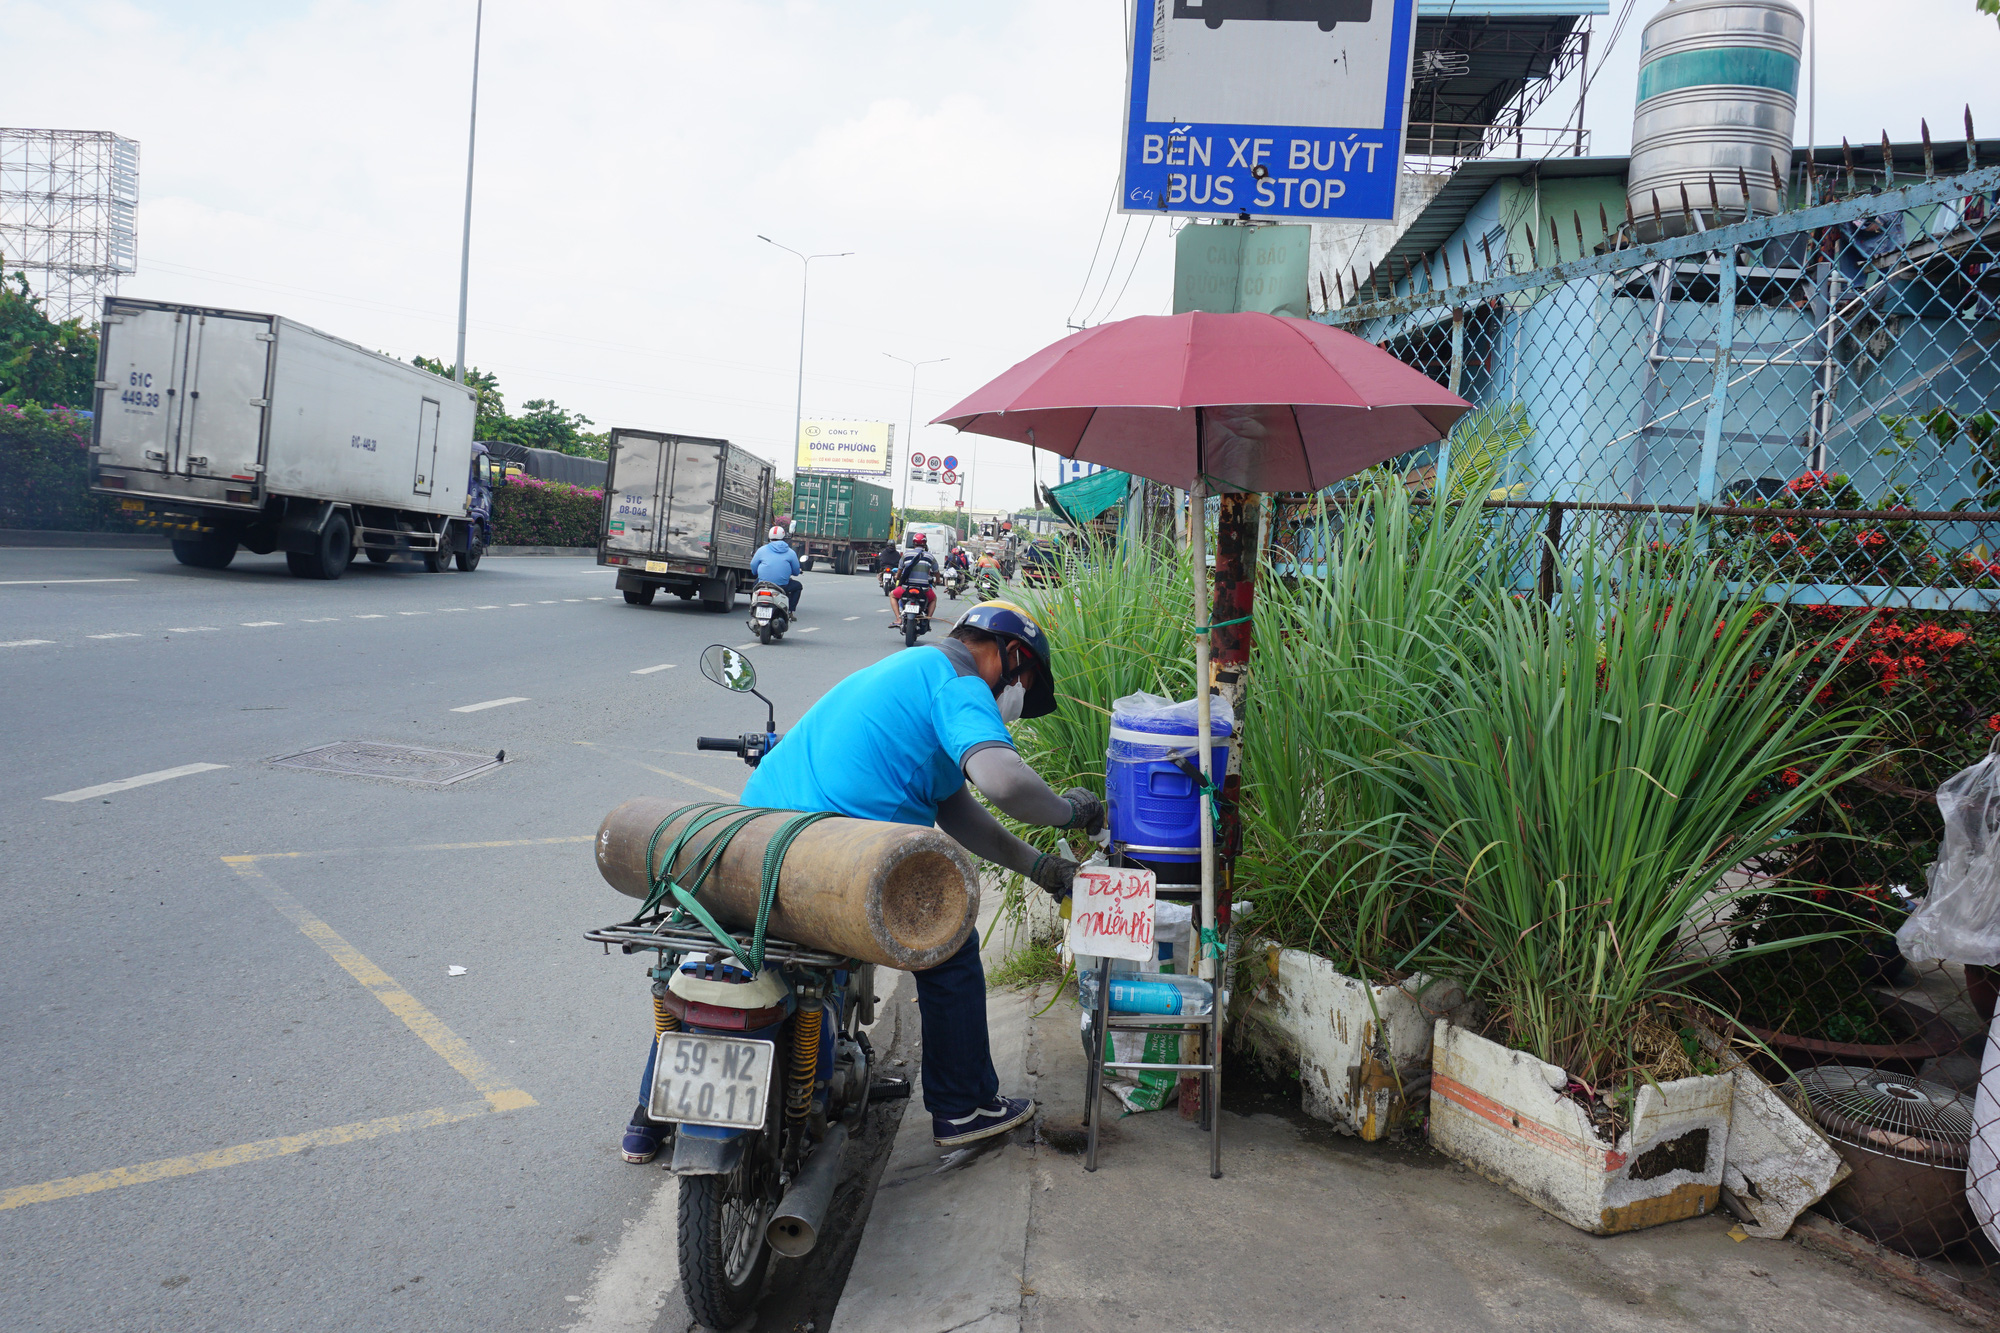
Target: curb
57 538
542 550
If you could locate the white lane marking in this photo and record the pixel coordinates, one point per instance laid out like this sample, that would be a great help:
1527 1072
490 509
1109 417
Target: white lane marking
111 636
16 583
593 599
850 617
572 599
192 629
630 1286
494 607
810 629
741 646
371 617
492 703
647 671
319 620
449 609
259 624
517 603
413 613
24 643
546 601
126 784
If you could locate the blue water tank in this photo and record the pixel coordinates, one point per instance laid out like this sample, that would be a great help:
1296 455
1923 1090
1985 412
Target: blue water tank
1154 803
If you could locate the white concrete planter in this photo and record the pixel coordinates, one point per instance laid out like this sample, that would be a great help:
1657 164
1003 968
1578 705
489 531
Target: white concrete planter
1354 1044
1500 1112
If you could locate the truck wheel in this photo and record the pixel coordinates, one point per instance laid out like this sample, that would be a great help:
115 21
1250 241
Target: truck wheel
330 555
206 552
468 559
843 562
726 602
378 556
805 564
640 596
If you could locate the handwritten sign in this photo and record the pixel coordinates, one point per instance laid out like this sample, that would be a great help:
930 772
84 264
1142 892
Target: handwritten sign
1111 913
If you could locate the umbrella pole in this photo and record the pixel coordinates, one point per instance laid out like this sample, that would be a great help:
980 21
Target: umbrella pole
1204 744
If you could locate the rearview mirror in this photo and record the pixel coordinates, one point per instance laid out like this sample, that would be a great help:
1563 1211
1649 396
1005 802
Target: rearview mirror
729 669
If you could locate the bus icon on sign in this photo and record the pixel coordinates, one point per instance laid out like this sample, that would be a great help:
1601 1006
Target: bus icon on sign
1325 13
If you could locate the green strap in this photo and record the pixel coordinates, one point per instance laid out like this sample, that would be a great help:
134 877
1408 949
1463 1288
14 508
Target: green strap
725 821
1223 624
1211 943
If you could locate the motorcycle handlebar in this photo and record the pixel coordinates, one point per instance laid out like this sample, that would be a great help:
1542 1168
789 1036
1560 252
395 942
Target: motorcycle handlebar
732 744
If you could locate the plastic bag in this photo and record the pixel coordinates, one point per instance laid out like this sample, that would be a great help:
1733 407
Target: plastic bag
1136 714
1959 920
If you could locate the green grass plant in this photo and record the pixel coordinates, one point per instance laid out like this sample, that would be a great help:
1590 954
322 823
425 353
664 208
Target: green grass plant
1579 781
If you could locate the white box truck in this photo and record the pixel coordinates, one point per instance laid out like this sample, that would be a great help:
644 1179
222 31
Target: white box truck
684 513
227 429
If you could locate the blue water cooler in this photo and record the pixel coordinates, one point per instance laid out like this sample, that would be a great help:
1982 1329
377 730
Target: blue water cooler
1153 800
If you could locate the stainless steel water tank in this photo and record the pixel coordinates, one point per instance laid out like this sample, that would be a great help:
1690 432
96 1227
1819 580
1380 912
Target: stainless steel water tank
1718 95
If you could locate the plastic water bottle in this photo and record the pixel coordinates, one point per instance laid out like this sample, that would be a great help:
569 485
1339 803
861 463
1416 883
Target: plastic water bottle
1150 993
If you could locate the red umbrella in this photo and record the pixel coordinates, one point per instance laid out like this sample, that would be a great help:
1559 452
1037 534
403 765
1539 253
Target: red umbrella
1251 402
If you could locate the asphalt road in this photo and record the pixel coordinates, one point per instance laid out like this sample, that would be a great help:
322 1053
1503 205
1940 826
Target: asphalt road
241 1088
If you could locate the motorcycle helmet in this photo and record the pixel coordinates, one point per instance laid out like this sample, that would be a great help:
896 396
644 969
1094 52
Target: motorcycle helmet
1006 620
777 534
917 539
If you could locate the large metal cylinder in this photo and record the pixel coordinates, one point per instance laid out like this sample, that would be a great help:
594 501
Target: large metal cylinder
1718 97
894 894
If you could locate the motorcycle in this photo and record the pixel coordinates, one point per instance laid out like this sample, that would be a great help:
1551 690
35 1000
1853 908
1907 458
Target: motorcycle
911 618
764 1077
770 611
887 579
988 586
954 582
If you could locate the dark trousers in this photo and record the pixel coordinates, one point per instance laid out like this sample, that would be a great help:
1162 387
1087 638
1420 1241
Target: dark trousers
958 1061
792 590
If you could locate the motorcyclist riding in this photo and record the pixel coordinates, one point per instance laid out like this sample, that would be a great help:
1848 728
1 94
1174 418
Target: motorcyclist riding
776 562
957 559
906 740
918 573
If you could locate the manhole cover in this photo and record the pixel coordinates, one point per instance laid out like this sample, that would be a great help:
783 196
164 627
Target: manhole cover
402 763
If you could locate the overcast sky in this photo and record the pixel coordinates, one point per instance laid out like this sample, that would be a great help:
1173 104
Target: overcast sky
309 159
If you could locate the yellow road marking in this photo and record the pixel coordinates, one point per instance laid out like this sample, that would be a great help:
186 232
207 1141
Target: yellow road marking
498 1095
69 1187
430 1029
730 796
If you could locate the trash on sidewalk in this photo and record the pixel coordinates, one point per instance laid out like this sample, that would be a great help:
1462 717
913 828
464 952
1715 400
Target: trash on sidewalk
454 970
1778 1163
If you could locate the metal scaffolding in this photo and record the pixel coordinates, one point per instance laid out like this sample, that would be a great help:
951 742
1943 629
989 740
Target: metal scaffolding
67 205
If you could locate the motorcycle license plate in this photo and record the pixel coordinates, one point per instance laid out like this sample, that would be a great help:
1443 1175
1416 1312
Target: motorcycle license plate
711 1080
763 613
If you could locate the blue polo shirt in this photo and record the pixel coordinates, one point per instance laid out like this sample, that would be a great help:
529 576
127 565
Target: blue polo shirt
887 743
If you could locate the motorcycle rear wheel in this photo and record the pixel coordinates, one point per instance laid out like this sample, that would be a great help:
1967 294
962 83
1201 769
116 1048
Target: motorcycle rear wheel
764 632
722 1247
910 633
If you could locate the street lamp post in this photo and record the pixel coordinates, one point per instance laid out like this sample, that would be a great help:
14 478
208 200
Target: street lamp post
465 245
910 426
805 281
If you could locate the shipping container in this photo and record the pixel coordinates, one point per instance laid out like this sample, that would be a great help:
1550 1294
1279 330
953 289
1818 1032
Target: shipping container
840 519
683 513
227 429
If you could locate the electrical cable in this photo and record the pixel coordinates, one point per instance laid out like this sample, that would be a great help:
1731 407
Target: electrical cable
1137 255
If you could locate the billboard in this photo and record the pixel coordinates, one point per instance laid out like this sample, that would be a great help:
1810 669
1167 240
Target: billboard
858 448
1270 108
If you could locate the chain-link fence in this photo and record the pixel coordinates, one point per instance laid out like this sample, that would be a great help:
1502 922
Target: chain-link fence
1814 398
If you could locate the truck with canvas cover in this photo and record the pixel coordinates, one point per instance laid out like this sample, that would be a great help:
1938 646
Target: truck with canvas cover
683 513
227 429
842 520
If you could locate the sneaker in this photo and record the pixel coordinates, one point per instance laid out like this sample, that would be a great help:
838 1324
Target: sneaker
643 1139
996 1117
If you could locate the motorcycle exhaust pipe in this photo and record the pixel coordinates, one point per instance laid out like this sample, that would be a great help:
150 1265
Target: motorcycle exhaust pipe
795 1229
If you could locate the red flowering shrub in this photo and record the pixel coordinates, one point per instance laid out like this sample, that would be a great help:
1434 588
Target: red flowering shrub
45 473
528 511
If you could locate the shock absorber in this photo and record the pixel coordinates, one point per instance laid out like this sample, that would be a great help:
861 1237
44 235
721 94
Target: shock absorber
805 1062
664 1019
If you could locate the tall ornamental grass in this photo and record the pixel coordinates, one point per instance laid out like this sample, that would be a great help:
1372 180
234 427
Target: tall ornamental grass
1345 658
1578 780
1119 622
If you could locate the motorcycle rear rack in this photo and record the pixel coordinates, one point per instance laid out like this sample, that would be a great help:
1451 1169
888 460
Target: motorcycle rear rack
682 940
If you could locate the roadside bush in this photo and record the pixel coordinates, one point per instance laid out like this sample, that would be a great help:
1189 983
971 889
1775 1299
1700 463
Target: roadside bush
528 511
45 473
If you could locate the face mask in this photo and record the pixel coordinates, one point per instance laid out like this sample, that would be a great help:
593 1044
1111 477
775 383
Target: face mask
1012 700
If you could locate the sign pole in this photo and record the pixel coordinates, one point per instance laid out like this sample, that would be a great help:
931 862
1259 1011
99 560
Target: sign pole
805 286
909 442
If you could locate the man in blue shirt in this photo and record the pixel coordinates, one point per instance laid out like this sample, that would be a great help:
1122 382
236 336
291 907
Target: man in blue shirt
905 741
776 562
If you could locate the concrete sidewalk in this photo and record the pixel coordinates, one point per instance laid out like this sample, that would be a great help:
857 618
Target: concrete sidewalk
1306 1230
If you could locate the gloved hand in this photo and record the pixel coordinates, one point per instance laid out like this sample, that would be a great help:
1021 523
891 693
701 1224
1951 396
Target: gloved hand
1086 811
1054 874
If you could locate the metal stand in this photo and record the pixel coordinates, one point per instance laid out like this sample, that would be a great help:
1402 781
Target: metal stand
1208 1028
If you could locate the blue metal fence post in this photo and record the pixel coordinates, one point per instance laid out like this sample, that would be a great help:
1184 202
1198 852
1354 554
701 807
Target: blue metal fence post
1718 396
1442 473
